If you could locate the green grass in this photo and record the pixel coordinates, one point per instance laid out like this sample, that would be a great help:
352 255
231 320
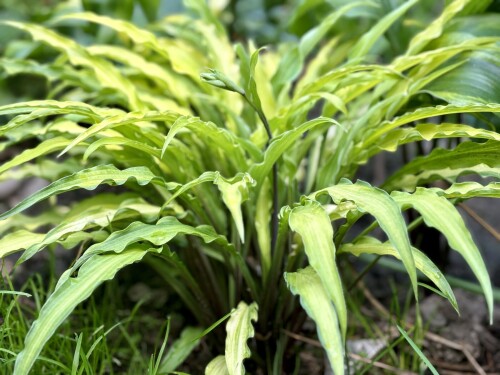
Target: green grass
108 334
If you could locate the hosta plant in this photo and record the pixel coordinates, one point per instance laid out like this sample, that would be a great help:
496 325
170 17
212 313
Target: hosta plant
236 168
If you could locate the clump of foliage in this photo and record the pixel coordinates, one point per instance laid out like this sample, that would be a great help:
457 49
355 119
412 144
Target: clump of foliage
231 164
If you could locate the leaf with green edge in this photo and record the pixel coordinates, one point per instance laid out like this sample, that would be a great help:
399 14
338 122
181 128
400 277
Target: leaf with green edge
312 223
217 366
74 239
371 245
439 213
106 73
336 75
45 168
281 144
179 124
31 223
88 179
443 54
122 142
137 35
386 211
67 296
204 177
305 103
223 138
239 329
467 157
158 234
56 107
17 241
45 147
473 81
12 67
73 77
180 349
23 119
436 28
427 112
110 208
472 26
363 46
410 182
176 86
131 118
466 190
314 299
425 131
311 38
292 63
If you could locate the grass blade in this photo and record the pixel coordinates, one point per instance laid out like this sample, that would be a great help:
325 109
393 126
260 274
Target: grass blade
418 351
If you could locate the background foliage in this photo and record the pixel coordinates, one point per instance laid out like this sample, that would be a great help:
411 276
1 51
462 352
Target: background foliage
230 162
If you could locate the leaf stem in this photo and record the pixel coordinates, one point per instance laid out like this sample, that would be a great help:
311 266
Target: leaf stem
274 219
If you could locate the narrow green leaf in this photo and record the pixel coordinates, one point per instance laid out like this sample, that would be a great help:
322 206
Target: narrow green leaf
45 168
315 300
87 179
176 86
46 147
222 138
473 81
106 210
66 297
158 234
385 210
422 262
435 29
400 136
56 107
205 177
439 213
106 73
466 190
363 46
31 223
120 141
314 226
281 144
131 118
467 157
150 8
17 241
418 351
336 75
239 329
427 112
292 63
137 35
180 349
180 123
